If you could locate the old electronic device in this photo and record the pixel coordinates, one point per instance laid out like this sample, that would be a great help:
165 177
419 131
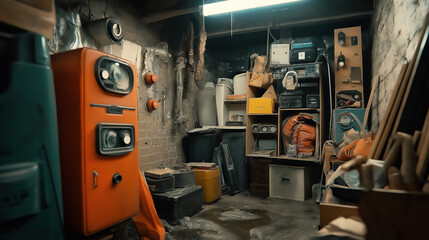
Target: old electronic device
313 100
97 114
345 119
291 101
300 81
348 62
303 50
306 71
279 72
264 128
303 55
30 182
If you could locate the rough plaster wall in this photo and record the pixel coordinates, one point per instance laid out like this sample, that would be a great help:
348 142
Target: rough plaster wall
396 25
160 138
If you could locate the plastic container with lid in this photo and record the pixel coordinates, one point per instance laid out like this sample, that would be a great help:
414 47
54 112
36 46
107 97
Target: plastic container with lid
200 145
176 204
209 179
223 89
207 105
240 84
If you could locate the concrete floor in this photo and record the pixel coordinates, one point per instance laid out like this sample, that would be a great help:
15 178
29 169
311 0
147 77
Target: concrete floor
245 216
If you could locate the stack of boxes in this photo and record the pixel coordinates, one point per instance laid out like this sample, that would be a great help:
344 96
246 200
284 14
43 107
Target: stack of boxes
174 192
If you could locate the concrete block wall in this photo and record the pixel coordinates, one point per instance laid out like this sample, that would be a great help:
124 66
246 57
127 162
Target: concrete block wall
396 28
159 137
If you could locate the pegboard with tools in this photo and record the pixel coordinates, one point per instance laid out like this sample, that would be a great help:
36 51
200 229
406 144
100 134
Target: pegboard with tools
348 67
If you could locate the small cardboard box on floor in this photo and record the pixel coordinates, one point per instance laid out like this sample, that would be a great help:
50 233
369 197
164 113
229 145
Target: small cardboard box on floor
264 104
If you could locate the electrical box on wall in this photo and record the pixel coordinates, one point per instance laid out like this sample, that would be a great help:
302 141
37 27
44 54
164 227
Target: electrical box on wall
348 67
280 54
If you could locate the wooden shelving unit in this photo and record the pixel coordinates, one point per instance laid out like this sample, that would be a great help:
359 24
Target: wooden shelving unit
277 119
259 164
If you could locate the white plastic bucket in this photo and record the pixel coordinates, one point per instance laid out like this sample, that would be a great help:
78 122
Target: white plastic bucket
222 91
240 84
207 105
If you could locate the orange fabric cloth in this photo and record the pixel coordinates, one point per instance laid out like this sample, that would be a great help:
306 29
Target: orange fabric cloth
147 221
295 120
356 148
304 137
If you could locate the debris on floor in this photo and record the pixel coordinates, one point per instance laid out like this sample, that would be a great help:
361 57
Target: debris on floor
248 217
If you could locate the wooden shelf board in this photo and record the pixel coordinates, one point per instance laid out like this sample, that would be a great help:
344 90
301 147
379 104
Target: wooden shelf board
299 109
240 101
231 127
262 114
226 127
311 159
261 156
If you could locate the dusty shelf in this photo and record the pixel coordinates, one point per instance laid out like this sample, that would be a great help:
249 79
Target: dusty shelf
241 101
309 159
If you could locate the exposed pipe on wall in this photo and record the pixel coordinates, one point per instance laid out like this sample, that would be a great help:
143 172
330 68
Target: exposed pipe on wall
190 68
180 66
200 55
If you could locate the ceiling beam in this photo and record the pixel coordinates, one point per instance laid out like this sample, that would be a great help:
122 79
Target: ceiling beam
155 17
288 24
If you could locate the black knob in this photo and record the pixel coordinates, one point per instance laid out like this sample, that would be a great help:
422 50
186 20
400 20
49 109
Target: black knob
117 178
341 61
341 38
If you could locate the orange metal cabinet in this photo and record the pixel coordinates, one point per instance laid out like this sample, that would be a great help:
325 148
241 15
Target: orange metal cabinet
97 137
209 179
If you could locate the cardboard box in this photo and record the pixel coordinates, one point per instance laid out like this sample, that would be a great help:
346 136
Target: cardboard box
289 182
261 105
270 93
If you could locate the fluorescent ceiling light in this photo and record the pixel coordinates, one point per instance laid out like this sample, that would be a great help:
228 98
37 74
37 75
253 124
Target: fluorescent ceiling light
237 5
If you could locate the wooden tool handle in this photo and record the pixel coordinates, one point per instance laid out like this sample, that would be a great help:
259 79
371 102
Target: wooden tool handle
353 163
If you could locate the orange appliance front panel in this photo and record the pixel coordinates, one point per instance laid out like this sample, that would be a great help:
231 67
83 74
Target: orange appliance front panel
103 203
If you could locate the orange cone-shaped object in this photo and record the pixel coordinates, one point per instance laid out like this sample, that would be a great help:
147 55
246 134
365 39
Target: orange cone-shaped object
147 221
